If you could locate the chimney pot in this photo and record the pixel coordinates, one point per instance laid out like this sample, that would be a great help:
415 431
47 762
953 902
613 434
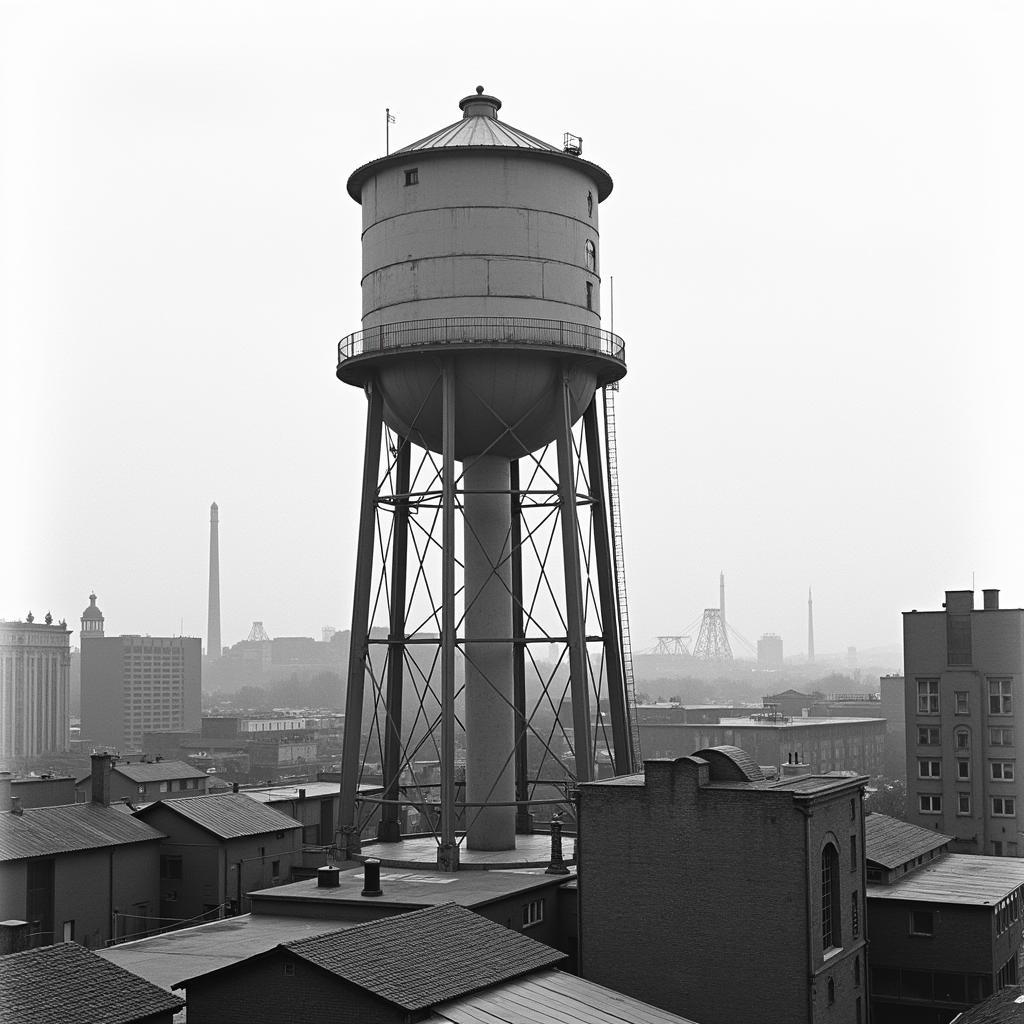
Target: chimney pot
371 877
327 877
234 787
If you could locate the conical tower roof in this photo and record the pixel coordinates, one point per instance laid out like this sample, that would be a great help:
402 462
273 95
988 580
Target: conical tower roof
478 128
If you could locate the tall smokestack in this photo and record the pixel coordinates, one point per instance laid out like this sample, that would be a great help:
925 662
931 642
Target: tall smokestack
213 648
721 599
810 628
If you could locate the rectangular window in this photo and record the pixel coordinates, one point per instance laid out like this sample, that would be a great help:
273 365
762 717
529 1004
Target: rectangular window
163 787
855 914
963 803
963 769
412 176
927 735
1000 697
68 931
170 866
927 769
997 848
533 913
958 639
922 922
962 739
929 803
1000 737
1001 771
275 870
853 853
1003 807
962 706
590 295
927 696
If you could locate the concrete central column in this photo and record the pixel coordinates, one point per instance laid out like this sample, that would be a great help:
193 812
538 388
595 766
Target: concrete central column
490 719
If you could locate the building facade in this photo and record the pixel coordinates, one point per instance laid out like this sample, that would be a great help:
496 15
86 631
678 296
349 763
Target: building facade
132 685
35 666
963 669
676 904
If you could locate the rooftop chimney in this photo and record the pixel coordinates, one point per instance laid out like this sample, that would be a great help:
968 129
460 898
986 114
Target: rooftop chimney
327 877
16 807
959 602
5 792
13 936
991 598
371 878
101 765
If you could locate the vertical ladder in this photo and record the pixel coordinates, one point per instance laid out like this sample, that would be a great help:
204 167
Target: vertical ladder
615 520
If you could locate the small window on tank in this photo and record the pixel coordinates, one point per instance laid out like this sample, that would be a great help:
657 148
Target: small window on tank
590 204
591 252
590 295
412 176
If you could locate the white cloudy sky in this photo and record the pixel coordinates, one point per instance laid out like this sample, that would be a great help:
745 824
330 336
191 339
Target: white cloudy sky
815 238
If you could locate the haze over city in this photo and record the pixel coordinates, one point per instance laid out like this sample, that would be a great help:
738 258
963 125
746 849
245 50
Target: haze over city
813 238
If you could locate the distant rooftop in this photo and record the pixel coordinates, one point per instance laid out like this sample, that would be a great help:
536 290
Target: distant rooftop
961 878
891 842
157 771
69 984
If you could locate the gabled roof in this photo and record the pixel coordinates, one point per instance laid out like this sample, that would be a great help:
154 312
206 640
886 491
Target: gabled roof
45 831
891 842
69 984
159 771
420 959
226 815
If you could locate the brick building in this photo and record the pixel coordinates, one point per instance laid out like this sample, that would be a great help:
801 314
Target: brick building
965 718
773 739
216 848
86 872
945 928
442 964
714 893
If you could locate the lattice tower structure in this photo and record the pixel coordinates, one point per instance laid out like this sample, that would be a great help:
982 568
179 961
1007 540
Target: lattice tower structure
712 640
484 528
674 646
257 634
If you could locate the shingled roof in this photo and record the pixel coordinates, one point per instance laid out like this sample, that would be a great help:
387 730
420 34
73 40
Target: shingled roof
891 842
68 984
419 959
226 815
68 828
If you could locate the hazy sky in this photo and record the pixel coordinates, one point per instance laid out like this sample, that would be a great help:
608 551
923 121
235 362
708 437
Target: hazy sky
815 235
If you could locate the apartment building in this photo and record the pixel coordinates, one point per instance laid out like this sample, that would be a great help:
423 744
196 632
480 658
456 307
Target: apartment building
963 669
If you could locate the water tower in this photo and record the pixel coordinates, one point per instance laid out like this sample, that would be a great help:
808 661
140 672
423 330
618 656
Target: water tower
487 532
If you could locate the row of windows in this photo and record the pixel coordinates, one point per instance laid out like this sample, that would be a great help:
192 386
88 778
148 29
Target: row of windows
1000 697
931 736
1000 806
1007 911
931 768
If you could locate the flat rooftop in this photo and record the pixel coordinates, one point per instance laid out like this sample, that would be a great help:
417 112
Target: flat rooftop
807 784
963 878
313 791
165 959
411 889
796 721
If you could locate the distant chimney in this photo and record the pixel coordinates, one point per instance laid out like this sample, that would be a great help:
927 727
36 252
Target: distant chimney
302 794
101 765
5 792
16 807
234 787
959 602
327 877
371 878
991 598
13 936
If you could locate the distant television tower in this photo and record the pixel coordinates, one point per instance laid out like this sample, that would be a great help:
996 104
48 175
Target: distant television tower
483 360
810 628
213 648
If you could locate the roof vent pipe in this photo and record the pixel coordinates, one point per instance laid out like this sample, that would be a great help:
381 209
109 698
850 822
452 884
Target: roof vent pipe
371 878
327 877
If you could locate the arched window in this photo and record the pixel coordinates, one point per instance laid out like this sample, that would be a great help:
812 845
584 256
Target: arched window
591 251
831 991
830 905
856 970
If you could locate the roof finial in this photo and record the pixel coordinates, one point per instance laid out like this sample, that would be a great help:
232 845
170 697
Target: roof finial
480 104
479 90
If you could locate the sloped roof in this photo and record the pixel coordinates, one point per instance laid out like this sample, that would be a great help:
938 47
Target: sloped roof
478 131
45 831
227 815
891 842
419 959
159 771
69 984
